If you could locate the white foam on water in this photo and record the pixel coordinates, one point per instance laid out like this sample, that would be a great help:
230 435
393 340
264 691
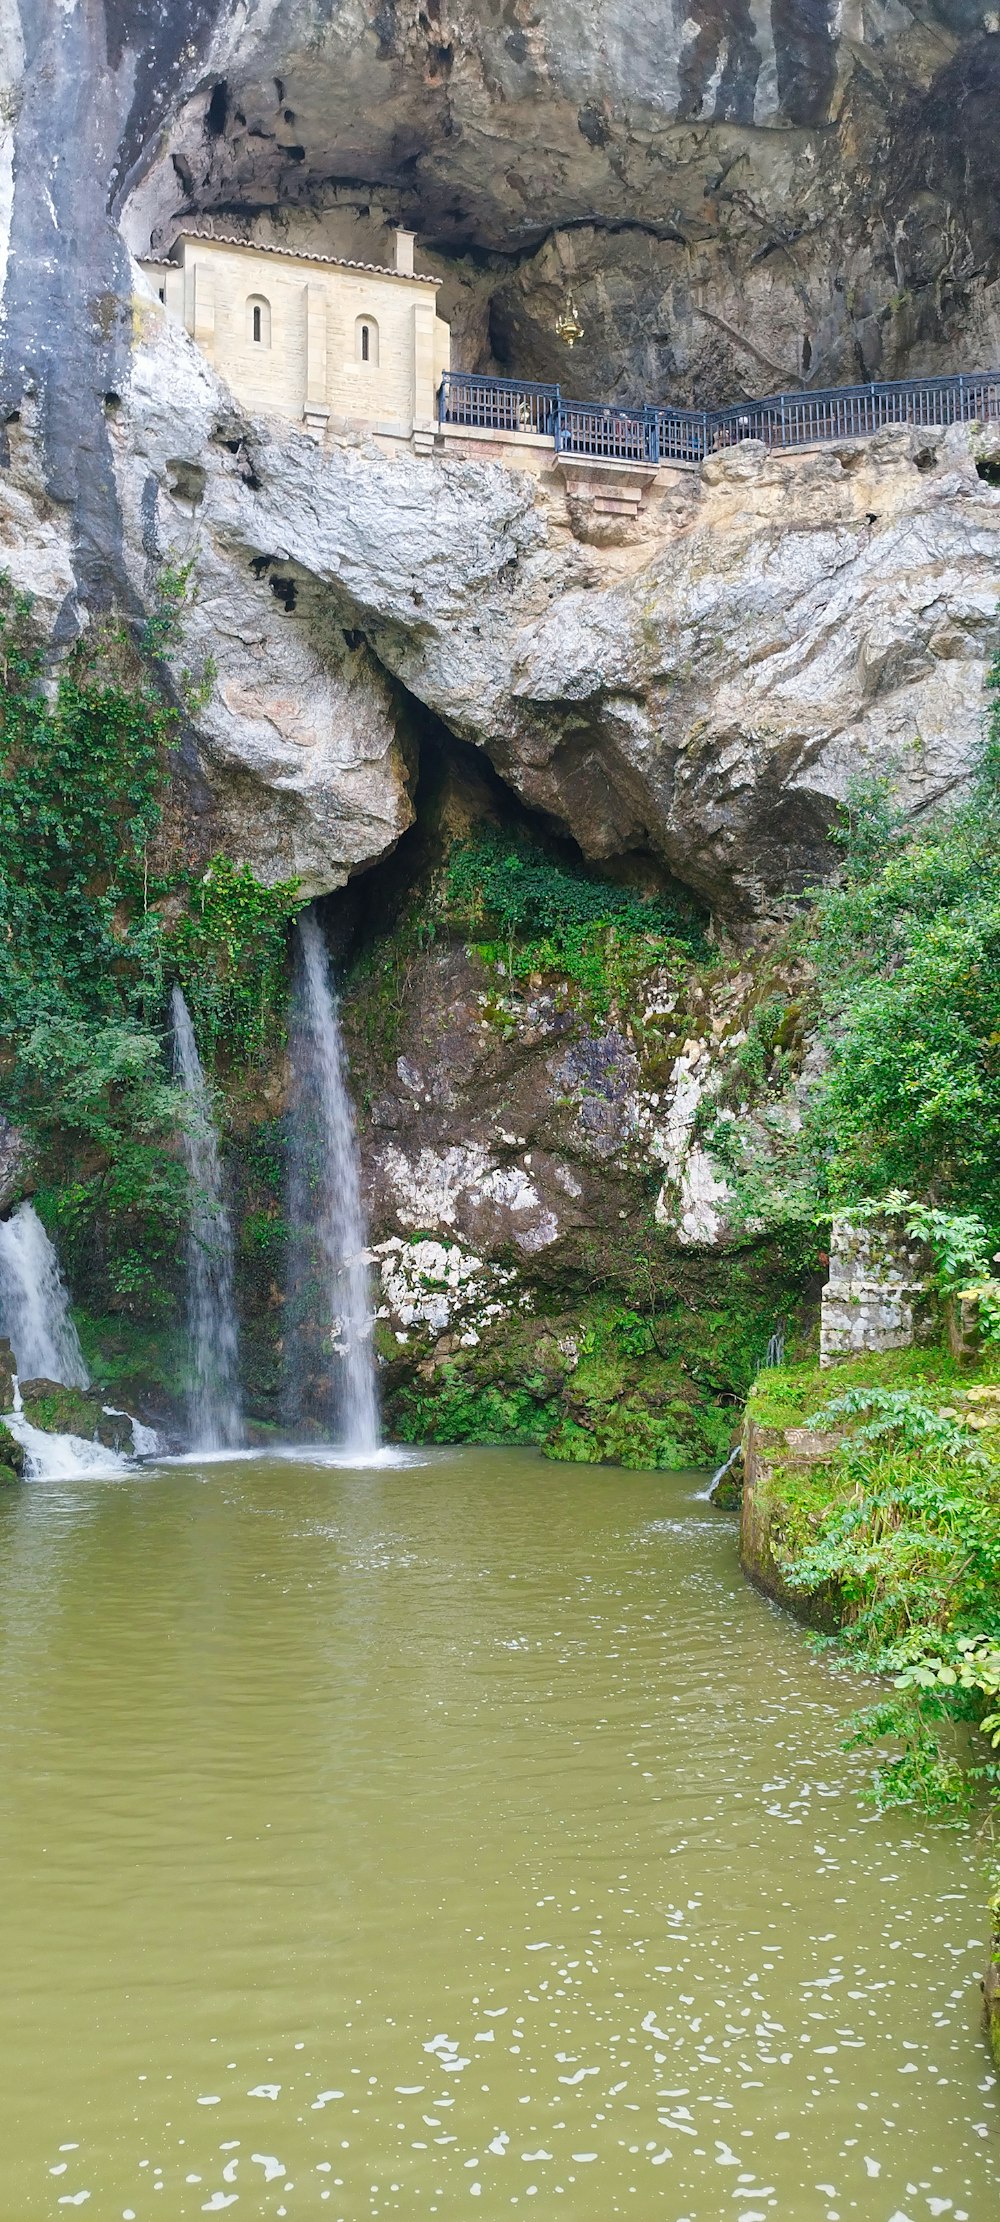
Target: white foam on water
331 1454
302 1454
209 1457
62 1457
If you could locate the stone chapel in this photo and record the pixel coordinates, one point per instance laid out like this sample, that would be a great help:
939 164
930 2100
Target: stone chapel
316 339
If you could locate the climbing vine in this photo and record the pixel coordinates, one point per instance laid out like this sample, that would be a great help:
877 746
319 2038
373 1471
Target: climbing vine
228 950
96 922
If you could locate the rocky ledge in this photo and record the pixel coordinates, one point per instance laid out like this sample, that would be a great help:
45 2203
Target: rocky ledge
698 695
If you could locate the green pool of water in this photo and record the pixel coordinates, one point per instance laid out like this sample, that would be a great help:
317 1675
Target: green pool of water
449 1839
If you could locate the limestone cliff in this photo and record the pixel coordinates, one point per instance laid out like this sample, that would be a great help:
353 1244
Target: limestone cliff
762 196
740 198
743 198
697 694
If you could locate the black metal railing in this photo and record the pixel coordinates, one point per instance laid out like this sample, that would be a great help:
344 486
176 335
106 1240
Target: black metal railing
497 404
656 435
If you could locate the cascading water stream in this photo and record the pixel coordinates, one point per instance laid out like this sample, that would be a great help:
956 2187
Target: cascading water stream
215 1416
34 1305
330 1278
35 1320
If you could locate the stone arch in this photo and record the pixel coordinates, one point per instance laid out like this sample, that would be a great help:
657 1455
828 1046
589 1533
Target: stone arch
366 341
258 320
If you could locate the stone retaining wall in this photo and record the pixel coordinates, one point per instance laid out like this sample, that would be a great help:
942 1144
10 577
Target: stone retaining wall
880 1294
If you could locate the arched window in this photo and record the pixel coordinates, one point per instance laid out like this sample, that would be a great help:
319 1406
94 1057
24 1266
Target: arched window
366 340
259 320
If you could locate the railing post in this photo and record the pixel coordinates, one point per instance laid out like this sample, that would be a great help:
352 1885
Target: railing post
442 401
652 436
557 420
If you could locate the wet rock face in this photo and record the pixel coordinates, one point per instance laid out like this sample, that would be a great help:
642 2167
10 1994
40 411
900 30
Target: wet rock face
507 1121
14 1157
88 89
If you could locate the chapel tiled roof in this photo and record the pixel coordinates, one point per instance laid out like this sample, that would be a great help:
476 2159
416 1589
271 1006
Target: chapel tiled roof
289 254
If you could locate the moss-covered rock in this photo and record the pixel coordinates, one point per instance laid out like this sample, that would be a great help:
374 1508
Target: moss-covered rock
788 1476
588 1385
11 1457
795 1477
991 1984
137 1365
62 1411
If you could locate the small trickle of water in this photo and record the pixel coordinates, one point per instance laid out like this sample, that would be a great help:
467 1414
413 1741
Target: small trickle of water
34 1305
146 1441
215 1417
330 1260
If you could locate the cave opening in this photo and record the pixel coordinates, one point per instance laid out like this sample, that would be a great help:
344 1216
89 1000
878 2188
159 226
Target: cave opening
458 795
217 112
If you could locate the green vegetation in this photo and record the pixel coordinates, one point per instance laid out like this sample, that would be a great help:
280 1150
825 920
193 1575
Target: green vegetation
526 913
134 1359
99 918
891 1538
228 950
901 961
599 1383
909 951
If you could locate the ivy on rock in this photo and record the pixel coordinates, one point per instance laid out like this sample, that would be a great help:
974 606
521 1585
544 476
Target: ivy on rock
99 915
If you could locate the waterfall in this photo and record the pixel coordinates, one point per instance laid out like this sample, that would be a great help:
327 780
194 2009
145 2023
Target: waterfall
34 1305
329 1261
214 1401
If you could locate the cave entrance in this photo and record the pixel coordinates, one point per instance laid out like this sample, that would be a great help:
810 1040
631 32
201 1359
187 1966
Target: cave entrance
458 796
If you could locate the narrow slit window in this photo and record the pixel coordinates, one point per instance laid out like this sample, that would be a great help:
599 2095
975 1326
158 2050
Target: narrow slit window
259 321
366 341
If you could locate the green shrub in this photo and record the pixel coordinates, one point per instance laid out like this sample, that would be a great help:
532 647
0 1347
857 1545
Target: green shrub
87 960
903 955
530 914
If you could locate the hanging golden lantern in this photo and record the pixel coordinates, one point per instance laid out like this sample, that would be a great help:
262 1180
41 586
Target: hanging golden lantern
568 325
